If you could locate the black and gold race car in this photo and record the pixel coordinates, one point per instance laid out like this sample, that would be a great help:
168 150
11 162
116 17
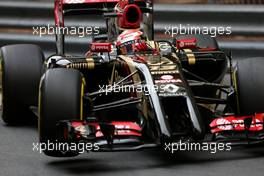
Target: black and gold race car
130 91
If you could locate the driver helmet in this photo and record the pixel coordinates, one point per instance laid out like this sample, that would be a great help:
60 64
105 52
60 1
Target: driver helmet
131 41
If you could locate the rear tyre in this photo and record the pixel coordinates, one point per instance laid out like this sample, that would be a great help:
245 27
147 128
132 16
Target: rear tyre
250 85
61 98
21 67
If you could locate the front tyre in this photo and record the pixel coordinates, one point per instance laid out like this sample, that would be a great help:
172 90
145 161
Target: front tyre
250 86
21 67
60 98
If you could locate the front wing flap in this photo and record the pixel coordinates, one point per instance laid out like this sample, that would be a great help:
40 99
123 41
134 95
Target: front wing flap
233 123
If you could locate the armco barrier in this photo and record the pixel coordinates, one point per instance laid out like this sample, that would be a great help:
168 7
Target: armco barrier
246 22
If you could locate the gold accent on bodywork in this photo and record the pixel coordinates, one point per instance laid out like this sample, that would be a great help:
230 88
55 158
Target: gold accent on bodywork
111 82
190 56
81 98
234 77
135 77
90 62
157 63
132 68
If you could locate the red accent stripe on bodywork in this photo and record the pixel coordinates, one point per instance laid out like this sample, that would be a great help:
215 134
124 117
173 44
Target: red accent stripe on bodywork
121 128
233 123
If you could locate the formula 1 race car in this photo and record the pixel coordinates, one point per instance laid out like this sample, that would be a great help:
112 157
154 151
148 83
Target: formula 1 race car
129 91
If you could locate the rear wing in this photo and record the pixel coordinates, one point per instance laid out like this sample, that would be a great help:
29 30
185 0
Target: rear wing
86 1
78 7
66 7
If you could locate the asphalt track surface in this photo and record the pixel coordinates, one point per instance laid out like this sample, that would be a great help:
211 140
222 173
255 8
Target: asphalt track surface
18 158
